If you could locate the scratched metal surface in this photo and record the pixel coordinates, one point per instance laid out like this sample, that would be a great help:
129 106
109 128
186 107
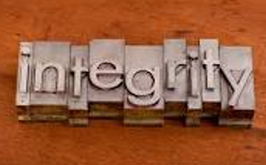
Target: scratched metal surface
233 22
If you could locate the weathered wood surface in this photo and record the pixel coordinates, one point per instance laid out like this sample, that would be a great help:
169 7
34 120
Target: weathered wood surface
233 22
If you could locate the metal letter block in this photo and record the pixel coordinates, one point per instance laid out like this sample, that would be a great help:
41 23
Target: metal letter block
105 90
176 77
194 107
210 77
50 74
237 86
78 86
143 102
23 81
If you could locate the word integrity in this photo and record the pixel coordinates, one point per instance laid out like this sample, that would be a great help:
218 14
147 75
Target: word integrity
137 84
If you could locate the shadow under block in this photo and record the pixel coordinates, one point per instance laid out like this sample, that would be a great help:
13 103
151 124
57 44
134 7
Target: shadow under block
210 77
78 86
143 102
237 86
105 89
175 78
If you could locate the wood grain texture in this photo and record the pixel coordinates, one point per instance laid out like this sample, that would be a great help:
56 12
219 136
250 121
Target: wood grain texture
105 142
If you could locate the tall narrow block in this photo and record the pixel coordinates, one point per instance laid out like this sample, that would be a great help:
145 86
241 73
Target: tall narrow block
24 80
78 86
105 90
210 77
143 101
237 86
194 104
176 77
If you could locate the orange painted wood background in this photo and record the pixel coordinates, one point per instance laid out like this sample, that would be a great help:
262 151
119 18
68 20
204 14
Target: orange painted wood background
107 142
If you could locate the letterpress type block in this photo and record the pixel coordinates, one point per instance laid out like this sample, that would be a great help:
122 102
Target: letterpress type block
105 90
143 102
78 86
194 109
210 77
23 81
237 86
176 77
50 74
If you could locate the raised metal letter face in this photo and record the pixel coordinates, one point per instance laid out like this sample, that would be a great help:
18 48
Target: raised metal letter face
24 74
49 77
80 70
209 62
96 72
153 93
